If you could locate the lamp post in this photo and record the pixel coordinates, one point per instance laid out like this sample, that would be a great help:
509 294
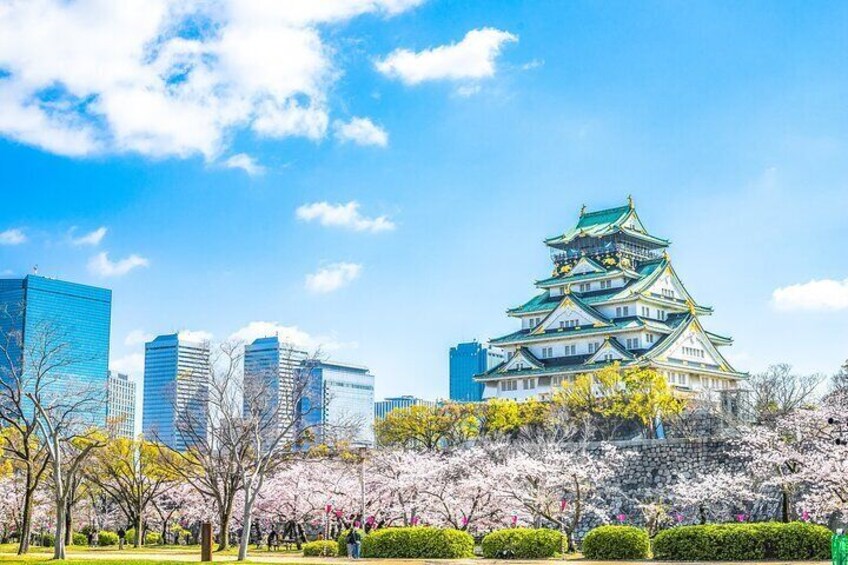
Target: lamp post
362 451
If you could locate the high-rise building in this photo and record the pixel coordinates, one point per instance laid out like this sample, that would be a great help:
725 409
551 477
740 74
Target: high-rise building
120 410
43 313
383 407
269 369
613 297
338 402
176 391
466 361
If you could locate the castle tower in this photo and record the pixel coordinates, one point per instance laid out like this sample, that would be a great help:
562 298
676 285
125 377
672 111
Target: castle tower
613 296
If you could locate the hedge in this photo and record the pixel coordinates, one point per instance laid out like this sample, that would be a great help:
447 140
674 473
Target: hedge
47 540
322 548
342 542
79 539
522 543
616 542
418 542
107 538
741 542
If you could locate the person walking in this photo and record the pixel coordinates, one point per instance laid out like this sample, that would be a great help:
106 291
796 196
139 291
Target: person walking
354 541
272 540
122 535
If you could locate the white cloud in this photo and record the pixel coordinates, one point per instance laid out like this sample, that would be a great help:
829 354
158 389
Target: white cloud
292 335
471 59
131 364
165 77
332 277
12 236
361 131
468 90
826 294
246 163
343 216
197 336
101 265
137 337
91 238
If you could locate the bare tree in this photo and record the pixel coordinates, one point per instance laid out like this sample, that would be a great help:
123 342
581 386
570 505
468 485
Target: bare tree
259 424
839 381
197 456
778 391
19 437
62 407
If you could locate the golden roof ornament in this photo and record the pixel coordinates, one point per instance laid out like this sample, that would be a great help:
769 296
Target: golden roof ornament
630 201
582 210
665 254
691 306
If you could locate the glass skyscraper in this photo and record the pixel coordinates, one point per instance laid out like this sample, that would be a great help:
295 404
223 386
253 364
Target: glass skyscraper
467 360
269 367
37 311
120 411
339 403
176 391
383 407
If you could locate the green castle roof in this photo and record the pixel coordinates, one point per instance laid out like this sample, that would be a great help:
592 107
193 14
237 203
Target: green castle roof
607 222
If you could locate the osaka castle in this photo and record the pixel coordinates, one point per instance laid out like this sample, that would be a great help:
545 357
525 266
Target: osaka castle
613 296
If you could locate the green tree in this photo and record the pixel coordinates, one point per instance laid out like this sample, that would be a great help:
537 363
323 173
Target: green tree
639 393
428 427
132 473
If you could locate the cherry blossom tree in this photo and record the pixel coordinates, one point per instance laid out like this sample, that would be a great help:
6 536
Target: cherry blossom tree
561 487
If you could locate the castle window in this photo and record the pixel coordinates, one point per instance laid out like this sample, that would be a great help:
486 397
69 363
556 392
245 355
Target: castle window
571 350
606 284
584 287
667 292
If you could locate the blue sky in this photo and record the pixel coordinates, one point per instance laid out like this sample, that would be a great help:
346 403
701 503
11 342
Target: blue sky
194 136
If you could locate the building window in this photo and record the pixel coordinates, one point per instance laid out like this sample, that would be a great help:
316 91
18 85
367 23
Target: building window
594 346
649 338
547 352
661 315
571 350
646 312
667 292
633 343
584 287
618 311
606 284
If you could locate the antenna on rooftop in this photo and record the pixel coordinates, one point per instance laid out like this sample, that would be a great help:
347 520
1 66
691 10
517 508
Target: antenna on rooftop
35 269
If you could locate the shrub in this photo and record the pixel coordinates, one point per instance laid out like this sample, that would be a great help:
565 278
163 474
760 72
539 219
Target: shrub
129 537
152 538
107 538
47 540
522 543
321 548
342 542
418 542
79 539
616 542
740 542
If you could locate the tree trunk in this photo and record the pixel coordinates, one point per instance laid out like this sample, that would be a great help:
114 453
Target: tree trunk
245 528
784 505
59 539
26 522
224 534
139 535
69 522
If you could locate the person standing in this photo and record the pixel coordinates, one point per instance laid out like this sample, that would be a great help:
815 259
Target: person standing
354 541
122 535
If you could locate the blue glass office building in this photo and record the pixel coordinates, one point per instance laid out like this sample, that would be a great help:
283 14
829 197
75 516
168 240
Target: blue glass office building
271 366
338 403
176 391
79 316
467 360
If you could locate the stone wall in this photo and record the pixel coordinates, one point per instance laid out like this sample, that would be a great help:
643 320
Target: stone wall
657 464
